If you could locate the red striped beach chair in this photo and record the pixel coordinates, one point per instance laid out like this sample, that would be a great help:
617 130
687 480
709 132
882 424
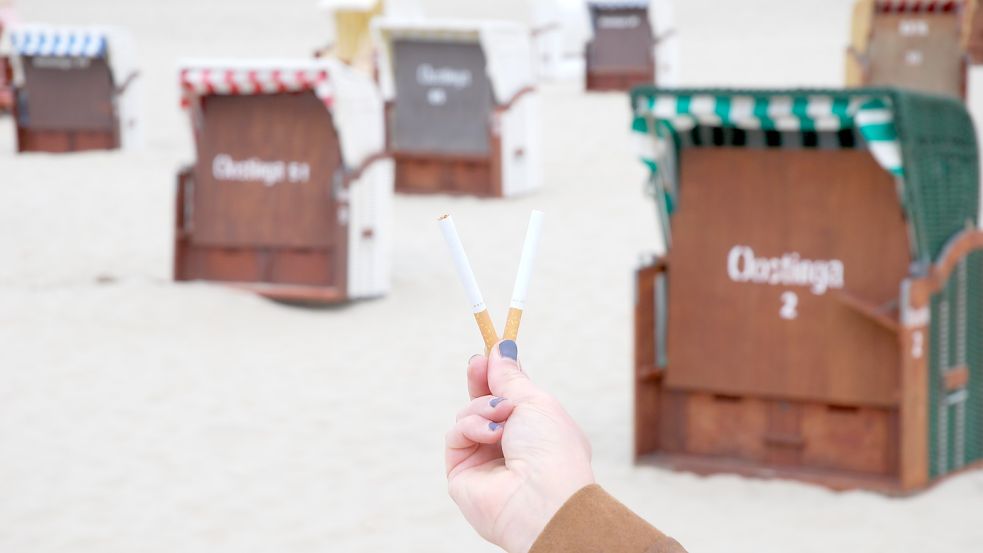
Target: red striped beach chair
290 194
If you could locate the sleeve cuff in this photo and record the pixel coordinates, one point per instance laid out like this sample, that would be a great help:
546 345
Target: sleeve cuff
591 520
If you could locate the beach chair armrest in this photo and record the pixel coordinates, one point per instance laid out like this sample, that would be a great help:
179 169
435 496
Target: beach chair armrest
127 82
515 98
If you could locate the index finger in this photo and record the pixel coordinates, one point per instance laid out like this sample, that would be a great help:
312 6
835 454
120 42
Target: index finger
478 376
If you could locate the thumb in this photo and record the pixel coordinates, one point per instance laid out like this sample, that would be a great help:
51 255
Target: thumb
505 378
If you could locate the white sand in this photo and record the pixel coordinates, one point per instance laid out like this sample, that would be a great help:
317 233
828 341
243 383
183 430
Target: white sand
141 415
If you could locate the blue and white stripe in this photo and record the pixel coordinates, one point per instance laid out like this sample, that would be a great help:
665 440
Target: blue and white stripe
59 42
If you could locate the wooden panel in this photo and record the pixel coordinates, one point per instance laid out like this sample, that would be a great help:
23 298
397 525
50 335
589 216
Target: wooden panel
52 141
313 267
673 420
265 173
599 80
735 336
445 174
43 141
783 440
974 33
6 84
224 264
849 438
95 140
957 378
68 94
919 51
267 267
647 389
622 38
726 426
444 97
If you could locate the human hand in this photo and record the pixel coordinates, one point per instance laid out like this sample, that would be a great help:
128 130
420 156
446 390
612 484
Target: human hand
514 456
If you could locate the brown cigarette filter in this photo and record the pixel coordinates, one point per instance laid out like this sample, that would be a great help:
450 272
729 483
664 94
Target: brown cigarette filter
487 329
512 324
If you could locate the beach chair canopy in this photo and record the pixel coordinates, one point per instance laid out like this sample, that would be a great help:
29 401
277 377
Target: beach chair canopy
505 46
56 41
344 93
531 13
917 6
927 142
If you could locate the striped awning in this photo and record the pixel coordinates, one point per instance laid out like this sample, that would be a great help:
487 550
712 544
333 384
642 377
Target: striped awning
916 6
59 42
237 79
618 4
659 119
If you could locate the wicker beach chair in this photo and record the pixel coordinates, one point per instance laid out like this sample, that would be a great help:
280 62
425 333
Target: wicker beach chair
916 44
75 88
462 106
818 312
290 194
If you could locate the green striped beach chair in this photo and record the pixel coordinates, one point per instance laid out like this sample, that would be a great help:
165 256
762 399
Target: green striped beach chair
818 311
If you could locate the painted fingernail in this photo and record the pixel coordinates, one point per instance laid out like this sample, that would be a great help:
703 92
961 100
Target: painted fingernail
509 349
493 426
495 401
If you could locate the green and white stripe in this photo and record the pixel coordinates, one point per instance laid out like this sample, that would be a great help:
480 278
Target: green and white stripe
661 117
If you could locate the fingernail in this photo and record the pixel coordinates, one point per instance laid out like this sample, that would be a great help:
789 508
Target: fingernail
495 401
493 426
470 359
509 349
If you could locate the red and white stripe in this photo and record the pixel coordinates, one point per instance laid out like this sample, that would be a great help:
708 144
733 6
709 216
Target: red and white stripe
917 6
205 81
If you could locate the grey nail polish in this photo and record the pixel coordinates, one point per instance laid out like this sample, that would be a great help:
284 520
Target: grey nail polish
495 401
509 349
493 426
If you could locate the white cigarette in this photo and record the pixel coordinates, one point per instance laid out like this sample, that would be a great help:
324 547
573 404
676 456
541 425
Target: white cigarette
461 263
529 248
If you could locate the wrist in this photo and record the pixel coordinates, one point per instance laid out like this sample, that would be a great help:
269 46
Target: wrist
521 532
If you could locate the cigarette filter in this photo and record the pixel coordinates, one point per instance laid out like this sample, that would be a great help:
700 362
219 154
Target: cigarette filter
464 272
523 275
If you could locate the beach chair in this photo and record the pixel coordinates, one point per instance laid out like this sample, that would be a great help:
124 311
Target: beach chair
540 19
462 106
818 312
629 41
6 85
973 31
75 89
352 38
6 68
290 194
915 44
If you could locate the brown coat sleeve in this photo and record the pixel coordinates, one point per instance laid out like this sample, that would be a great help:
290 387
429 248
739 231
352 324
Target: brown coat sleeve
592 521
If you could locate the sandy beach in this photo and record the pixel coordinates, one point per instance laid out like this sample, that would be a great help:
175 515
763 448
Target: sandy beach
137 414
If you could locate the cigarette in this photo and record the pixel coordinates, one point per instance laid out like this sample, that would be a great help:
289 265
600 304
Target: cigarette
464 272
523 275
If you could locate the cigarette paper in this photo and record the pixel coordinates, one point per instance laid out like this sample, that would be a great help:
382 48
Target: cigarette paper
464 272
523 275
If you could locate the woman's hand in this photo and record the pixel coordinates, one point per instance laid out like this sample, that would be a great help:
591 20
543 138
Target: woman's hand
514 456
